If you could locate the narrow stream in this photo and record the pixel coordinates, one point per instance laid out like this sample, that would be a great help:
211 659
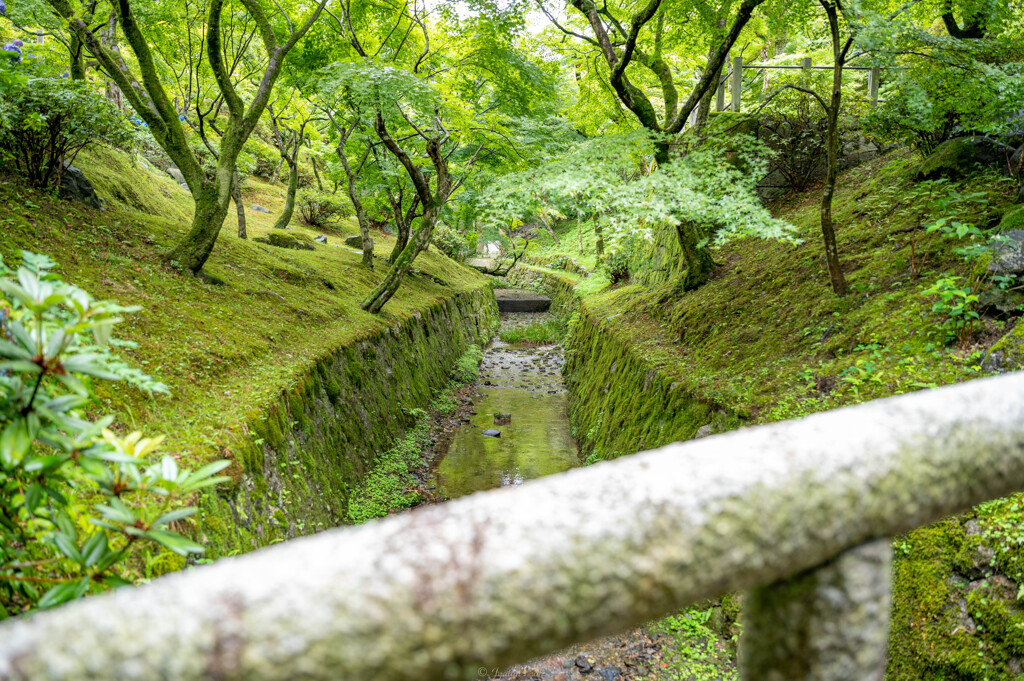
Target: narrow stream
525 382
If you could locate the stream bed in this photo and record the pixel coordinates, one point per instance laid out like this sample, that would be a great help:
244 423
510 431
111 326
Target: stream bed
525 382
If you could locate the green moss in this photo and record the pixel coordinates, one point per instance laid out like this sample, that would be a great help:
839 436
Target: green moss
1013 219
953 159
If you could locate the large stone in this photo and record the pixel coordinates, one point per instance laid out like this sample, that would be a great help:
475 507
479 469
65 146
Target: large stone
958 157
178 176
518 300
491 432
1009 256
256 208
285 241
354 241
74 186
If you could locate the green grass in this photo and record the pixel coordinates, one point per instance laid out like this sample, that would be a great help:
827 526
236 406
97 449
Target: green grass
224 351
538 333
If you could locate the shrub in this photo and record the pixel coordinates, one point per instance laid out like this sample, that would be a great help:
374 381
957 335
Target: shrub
75 497
263 157
321 209
617 266
465 369
453 243
45 122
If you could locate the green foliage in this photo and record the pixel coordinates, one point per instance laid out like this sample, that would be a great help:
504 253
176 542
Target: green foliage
74 496
453 243
539 333
693 650
45 122
465 369
617 265
956 306
321 209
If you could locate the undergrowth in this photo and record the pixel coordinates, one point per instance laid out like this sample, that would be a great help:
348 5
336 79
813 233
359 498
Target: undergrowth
391 485
539 333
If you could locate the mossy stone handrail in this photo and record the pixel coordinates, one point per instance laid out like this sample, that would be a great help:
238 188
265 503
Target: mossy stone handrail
496 578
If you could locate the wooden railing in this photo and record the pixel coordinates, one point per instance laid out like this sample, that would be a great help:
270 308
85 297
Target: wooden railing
734 80
799 513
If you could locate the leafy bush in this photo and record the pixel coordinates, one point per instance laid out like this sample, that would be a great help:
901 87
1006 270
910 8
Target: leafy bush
321 209
453 243
617 266
45 122
75 497
263 157
465 369
956 306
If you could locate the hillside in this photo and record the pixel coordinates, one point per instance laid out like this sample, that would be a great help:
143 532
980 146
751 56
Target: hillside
223 351
766 340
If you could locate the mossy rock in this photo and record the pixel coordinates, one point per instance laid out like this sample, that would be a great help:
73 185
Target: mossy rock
1012 220
295 241
1007 353
957 158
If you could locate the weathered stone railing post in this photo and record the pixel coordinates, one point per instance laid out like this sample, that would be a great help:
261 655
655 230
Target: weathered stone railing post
796 513
830 623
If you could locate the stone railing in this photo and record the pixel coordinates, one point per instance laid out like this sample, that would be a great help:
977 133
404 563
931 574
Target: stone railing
799 513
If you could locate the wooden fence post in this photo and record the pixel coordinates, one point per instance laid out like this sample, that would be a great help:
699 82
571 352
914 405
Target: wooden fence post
874 76
737 82
720 95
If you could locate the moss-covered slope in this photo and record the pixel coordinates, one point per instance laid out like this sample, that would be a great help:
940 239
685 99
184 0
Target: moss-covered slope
766 340
277 368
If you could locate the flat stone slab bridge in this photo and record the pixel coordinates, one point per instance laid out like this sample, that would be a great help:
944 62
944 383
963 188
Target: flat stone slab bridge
520 300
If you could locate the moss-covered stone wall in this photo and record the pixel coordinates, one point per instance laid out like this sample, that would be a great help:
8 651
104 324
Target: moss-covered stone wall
296 464
619 403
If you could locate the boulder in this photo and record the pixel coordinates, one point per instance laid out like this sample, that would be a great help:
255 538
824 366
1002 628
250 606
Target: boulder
256 208
960 156
502 419
74 186
321 239
1009 249
354 241
492 433
176 174
285 241
1007 353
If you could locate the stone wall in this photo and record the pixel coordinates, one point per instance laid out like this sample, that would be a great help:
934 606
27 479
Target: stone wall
296 464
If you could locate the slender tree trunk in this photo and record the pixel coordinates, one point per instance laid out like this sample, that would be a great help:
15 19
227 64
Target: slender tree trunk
277 170
549 228
400 266
212 201
579 232
110 42
316 172
699 263
76 53
402 229
293 186
236 195
599 243
357 204
835 271
704 108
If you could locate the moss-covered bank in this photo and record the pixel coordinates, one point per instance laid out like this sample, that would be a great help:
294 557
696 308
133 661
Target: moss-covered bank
276 368
765 340
302 458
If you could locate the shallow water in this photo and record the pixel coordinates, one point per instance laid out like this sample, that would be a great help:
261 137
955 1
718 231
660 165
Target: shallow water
525 382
